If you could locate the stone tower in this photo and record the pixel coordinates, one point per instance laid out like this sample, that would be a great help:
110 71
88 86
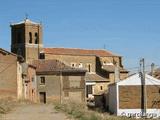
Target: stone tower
26 39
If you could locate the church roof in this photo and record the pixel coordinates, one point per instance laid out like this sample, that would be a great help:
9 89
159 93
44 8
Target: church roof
77 51
25 21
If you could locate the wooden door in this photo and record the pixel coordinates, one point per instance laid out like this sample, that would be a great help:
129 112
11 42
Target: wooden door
42 97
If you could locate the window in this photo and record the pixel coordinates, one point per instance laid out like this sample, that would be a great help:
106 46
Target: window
42 80
88 90
104 62
101 87
89 67
36 38
73 65
80 65
30 37
41 56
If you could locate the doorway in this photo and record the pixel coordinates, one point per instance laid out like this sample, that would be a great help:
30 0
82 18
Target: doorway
42 97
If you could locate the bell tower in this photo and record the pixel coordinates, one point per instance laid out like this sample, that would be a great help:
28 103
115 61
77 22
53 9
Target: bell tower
26 39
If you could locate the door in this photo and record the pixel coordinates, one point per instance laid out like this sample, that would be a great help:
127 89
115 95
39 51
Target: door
42 97
88 90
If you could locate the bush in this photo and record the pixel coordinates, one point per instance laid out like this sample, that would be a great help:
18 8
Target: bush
79 112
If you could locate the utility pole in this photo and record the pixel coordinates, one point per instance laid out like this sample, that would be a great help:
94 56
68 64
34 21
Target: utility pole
143 87
152 69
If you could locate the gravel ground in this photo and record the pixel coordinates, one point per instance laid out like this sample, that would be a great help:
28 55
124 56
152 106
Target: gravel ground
34 112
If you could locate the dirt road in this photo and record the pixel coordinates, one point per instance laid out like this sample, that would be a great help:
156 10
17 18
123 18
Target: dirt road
34 112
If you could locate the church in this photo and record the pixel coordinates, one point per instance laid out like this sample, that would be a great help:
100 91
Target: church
65 73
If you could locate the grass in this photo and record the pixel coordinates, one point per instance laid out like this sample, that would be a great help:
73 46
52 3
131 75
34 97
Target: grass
80 112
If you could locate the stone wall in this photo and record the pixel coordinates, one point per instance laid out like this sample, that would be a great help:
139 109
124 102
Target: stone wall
69 59
68 87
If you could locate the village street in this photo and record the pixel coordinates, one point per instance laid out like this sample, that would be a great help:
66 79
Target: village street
34 112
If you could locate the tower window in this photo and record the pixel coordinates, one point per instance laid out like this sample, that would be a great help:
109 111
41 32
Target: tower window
36 38
30 37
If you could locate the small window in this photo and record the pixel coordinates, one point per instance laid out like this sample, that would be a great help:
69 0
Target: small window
89 90
41 56
101 87
80 65
89 67
104 62
73 65
36 38
42 81
30 37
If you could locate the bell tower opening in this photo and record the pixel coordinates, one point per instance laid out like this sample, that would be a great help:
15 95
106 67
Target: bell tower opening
26 39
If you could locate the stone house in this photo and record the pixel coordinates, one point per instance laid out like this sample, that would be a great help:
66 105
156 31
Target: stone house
29 82
125 97
57 82
10 75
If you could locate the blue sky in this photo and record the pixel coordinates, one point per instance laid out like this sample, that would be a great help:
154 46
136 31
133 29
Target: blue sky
129 28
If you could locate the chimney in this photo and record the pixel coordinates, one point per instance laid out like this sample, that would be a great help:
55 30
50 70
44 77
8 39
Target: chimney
152 69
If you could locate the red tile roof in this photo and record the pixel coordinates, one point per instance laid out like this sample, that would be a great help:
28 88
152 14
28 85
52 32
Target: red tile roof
7 52
111 68
76 51
95 77
53 66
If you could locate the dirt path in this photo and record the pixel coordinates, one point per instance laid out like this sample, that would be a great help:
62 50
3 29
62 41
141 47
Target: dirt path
34 112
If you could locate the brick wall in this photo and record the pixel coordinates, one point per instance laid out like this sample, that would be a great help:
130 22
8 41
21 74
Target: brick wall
130 97
8 75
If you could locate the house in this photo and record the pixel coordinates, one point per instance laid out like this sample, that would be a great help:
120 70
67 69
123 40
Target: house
29 82
10 75
57 82
126 97
156 73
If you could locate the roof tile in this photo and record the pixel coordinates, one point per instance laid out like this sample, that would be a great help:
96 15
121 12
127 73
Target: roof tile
76 51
